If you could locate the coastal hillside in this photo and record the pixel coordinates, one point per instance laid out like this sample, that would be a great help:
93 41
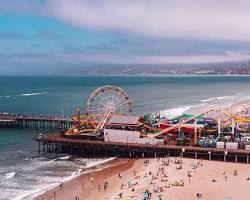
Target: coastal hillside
222 68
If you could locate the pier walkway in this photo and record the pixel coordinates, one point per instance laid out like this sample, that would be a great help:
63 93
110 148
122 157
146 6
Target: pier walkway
35 122
58 143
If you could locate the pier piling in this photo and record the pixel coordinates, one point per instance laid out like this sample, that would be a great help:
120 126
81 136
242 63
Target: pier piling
60 144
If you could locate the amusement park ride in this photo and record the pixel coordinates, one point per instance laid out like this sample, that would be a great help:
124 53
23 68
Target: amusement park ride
105 102
108 117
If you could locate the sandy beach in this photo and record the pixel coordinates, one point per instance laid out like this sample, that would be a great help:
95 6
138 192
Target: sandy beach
165 178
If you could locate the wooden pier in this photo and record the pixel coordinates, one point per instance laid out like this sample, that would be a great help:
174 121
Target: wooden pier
58 143
34 122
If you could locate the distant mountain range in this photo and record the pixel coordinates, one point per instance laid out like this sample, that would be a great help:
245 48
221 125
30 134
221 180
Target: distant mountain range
237 68
192 70
229 68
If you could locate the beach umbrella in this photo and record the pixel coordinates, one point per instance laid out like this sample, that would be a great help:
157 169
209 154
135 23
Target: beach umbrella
176 183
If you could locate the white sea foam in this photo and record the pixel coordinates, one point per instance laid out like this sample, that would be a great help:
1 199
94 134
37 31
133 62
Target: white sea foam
211 99
30 194
24 94
55 181
98 162
33 94
64 158
240 93
170 113
9 175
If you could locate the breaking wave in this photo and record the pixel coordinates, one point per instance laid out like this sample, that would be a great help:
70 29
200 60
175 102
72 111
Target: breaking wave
88 164
38 175
33 94
170 113
9 175
24 94
64 157
211 99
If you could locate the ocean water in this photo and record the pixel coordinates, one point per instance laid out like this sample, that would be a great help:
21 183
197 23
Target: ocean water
24 173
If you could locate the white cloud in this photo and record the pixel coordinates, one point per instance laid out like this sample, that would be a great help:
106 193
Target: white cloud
200 19
172 20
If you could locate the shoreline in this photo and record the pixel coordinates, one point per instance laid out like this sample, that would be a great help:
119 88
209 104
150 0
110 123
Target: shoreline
96 172
213 179
82 171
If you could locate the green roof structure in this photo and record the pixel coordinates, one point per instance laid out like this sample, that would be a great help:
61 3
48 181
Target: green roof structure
185 115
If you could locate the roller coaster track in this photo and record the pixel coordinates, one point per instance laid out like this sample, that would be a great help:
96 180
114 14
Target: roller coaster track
236 117
151 128
233 116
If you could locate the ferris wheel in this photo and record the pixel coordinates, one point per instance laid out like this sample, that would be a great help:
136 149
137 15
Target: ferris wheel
106 101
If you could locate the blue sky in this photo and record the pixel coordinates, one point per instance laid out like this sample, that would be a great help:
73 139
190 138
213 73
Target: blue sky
80 32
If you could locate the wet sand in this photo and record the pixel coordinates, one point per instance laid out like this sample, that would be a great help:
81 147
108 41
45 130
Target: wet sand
82 186
160 179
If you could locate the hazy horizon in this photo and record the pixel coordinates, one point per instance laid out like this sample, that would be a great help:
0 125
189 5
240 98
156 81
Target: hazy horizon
49 36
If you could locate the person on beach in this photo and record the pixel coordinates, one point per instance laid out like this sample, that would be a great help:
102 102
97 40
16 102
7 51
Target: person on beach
189 176
61 186
134 172
199 195
120 176
146 195
99 188
120 195
92 179
105 185
159 196
129 183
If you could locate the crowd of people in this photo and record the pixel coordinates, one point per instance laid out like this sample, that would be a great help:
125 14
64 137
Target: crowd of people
158 180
